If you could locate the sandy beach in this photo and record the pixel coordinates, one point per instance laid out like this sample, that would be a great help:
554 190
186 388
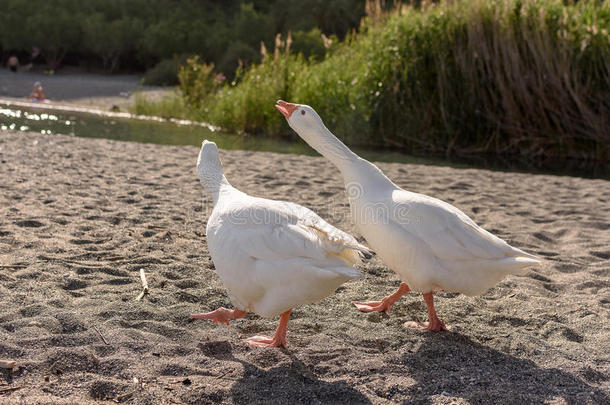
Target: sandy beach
79 218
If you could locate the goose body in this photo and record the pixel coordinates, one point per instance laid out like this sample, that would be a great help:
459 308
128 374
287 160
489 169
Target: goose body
430 244
271 255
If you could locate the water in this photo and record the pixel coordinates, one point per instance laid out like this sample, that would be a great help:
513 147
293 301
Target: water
49 121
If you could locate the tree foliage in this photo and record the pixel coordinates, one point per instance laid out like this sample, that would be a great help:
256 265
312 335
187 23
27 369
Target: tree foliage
137 34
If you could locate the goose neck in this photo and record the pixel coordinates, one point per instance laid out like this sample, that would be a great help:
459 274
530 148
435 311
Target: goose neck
331 147
215 186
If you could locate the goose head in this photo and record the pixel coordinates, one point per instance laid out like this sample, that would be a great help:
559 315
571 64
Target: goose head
306 122
209 167
303 119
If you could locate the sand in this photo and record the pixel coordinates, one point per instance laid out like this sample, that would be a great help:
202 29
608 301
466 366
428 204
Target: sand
79 218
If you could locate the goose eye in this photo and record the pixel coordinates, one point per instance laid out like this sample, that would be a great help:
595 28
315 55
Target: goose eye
302 112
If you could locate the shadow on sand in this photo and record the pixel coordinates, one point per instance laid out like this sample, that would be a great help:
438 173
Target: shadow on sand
455 365
284 384
445 364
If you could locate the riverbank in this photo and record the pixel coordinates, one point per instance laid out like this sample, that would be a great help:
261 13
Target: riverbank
81 217
79 89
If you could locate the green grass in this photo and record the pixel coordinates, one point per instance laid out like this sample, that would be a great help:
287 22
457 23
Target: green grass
463 77
169 105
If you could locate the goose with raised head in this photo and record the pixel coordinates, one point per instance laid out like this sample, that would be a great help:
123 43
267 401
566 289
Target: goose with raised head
271 255
430 244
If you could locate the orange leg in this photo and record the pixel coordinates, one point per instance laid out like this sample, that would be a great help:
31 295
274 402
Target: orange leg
434 324
385 304
278 339
223 315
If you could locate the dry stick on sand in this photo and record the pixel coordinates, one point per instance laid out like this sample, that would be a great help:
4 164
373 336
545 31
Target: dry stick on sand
8 364
144 285
100 333
8 389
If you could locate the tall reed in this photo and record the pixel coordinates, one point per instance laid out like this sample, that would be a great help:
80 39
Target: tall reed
529 77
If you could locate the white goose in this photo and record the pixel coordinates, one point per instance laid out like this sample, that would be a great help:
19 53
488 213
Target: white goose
429 243
271 255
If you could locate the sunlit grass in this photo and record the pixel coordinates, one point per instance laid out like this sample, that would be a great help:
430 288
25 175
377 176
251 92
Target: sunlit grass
168 105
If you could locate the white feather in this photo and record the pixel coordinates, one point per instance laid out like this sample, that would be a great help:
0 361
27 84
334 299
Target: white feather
429 243
272 255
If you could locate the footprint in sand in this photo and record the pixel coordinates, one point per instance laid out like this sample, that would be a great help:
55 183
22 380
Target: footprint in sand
554 287
69 360
567 268
113 366
184 284
70 323
32 310
571 335
543 220
117 281
542 237
183 296
460 186
75 284
592 287
539 277
555 329
29 223
602 255
512 321
103 389
86 242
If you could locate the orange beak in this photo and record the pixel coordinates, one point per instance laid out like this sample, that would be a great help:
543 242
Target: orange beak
285 108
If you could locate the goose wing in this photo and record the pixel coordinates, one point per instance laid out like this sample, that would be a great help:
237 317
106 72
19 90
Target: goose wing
292 230
448 232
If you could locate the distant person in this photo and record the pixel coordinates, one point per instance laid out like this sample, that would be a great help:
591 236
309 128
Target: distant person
13 63
37 95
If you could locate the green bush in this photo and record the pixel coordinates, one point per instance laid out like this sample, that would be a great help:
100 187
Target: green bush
165 73
309 44
198 81
238 53
248 105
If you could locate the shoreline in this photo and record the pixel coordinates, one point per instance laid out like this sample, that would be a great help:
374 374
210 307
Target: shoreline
81 217
81 109
515 164
97 94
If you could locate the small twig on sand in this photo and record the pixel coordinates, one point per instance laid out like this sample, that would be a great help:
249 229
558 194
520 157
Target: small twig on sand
8 389
143 278
9 364
120 398
144 285
13 266
100 333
